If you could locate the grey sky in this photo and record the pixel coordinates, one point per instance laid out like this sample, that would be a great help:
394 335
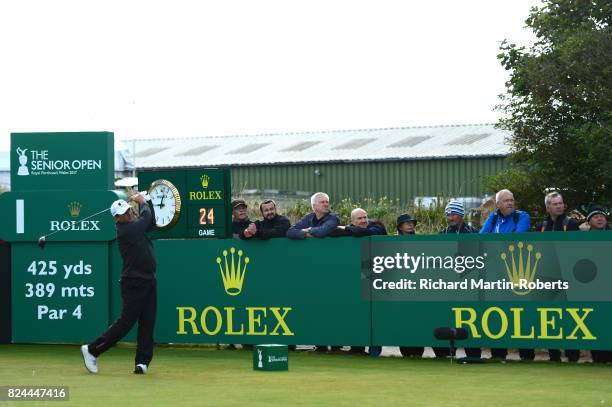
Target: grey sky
193 68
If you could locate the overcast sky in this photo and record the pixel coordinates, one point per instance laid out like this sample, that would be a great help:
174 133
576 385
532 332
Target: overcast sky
196 68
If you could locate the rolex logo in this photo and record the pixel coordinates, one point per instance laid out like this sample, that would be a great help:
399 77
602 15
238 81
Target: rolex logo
521 268
234 271
75 209
204 180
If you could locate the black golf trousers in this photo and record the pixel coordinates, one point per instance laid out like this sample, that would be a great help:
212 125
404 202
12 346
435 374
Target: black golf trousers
139 305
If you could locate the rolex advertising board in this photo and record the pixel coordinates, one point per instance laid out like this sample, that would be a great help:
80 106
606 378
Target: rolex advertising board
519 290
62 161
276 291
529 291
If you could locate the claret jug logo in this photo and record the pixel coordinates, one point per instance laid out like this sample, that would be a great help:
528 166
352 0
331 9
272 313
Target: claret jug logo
75 209
23 160
521 271
233 272
204 179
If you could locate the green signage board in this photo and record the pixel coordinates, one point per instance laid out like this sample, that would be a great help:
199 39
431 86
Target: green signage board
514 290
61 161
62 216
339 291
205 196
270 357
59 294
254 292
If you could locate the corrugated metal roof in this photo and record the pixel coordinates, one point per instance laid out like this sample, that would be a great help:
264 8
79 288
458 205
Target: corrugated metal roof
406 143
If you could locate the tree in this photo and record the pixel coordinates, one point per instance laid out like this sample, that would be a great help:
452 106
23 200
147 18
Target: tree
558 105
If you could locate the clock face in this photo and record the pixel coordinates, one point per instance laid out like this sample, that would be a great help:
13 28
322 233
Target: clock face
166 203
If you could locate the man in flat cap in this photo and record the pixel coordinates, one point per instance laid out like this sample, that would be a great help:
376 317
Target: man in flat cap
240 217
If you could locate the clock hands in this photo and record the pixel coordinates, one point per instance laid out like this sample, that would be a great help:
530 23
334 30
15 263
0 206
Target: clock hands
161 202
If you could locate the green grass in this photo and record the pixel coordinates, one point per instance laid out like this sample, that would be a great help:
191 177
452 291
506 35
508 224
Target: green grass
203 376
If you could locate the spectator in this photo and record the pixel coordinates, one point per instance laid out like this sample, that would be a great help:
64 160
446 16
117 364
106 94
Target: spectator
507 219
319 223
272 224
240 218
454 218
597 218
361 226
558 221
405 224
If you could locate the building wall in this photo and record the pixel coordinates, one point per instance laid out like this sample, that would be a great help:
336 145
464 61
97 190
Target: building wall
394 179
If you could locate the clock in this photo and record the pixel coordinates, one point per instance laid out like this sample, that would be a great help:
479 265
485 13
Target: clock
166 203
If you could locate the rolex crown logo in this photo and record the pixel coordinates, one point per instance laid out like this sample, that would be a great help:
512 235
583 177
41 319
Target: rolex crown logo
233 272
521 268
204 180
75 209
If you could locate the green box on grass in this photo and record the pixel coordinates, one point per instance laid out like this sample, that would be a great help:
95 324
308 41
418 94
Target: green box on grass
270 357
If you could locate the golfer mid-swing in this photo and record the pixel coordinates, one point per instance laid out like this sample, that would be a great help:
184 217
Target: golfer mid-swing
138 285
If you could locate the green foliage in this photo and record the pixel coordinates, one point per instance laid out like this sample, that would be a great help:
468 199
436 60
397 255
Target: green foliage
298 210
558 104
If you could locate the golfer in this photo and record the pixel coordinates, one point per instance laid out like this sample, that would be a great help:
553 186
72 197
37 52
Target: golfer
138 285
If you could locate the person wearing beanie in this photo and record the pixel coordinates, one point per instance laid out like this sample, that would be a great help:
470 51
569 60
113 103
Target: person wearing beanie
598 222
405 224
597 218
454 217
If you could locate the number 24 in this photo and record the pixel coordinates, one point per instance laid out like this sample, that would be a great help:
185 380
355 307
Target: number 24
204 216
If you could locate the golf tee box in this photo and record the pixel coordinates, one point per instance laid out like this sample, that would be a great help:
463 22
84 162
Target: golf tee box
270 357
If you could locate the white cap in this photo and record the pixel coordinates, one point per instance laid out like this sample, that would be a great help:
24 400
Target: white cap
119 207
